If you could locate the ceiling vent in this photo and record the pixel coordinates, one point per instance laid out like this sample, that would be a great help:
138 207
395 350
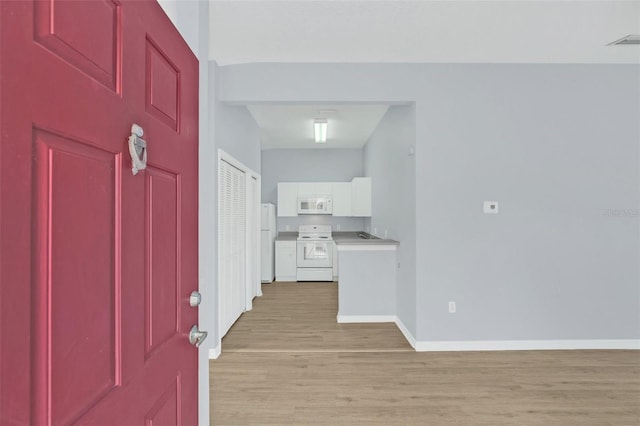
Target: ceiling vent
630 39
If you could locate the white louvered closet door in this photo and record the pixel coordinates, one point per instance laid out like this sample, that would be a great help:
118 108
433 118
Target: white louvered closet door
232 245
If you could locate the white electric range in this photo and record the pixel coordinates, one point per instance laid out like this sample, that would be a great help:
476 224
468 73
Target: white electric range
314 253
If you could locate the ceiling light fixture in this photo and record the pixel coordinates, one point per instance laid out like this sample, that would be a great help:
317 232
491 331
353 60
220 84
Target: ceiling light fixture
320 130
630 39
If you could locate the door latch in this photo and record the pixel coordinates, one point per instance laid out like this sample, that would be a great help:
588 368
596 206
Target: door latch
194 299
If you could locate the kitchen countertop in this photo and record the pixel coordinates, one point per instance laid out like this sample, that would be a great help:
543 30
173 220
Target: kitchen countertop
343 238
287 236
352 238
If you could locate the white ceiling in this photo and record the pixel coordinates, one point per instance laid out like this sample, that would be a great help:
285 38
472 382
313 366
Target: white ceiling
291 126
420 31
375 31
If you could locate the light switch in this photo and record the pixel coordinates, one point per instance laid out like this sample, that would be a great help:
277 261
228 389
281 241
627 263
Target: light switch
490 207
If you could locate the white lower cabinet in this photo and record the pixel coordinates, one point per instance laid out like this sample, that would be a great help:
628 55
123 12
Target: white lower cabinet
285 260
335 262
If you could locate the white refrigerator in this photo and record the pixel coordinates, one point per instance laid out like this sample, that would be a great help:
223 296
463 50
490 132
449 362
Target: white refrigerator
268 239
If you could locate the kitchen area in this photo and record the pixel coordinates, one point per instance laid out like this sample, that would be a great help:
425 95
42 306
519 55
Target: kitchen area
343 210
323 237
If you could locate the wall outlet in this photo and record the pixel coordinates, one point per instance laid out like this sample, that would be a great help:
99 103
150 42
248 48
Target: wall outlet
375 231
386 232
287 228
490 207
452 307
337 227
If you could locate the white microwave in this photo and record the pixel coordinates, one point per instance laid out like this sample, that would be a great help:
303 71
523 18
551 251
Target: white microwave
316 204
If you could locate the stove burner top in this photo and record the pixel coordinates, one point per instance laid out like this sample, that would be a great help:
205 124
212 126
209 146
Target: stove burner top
314 233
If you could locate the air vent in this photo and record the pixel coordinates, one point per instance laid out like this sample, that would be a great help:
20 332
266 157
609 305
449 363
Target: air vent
630 39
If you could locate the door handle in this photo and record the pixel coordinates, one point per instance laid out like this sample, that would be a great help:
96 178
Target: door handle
194 299
196 337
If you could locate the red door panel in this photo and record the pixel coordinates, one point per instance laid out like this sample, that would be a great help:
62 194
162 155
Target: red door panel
96 264
166 410
162 86
162 282
92 44
75 336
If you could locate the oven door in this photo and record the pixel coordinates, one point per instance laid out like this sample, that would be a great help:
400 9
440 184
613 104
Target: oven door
314 254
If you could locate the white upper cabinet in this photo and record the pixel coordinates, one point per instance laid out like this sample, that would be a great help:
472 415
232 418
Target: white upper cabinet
349 198
361 196
314 188
324 188
306 188
287 199
342 198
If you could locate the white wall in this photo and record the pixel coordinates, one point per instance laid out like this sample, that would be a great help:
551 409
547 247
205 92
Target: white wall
186 15
389 161
556 145
237 133
310 165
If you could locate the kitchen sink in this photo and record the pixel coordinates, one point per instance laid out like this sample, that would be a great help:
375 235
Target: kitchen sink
366 236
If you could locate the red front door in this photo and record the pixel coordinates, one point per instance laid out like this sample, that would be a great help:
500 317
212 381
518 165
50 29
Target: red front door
96 264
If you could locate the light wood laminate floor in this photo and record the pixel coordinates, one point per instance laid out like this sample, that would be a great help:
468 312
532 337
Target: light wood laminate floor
289 362
293 316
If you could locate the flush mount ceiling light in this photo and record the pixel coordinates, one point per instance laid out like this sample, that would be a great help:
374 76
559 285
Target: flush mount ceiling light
630 39
320 130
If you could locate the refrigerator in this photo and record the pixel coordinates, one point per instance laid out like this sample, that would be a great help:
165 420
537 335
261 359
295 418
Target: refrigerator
268 239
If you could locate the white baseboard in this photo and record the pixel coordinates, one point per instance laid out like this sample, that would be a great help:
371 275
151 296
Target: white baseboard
214 353
405 331
366 318
515 345
525 345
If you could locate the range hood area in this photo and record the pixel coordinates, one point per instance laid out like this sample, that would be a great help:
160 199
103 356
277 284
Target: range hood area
340 199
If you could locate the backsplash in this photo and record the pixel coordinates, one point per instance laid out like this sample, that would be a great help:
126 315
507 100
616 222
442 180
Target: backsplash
345 223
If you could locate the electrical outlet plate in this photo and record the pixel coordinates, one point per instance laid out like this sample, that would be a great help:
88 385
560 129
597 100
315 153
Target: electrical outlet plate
452 307
490 207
